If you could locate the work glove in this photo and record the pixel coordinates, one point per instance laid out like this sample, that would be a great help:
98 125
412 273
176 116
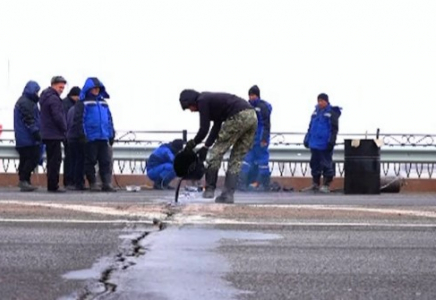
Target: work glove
37 136
202 153
111 141
190 145
330 147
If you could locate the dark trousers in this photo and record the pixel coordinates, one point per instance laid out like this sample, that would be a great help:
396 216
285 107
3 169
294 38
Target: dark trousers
29 158
54 161
77 163
98 151
68 179
321 164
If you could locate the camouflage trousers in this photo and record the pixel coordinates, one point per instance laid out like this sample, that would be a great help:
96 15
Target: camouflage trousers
238 131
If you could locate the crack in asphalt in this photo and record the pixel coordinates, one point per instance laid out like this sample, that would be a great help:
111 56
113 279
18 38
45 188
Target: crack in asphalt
122 261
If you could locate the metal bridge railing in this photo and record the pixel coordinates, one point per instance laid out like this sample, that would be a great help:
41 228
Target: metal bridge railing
407 155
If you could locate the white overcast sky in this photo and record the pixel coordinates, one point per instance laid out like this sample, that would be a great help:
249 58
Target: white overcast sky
375 58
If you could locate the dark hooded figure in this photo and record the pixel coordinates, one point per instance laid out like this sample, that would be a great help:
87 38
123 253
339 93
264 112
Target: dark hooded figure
160 164
69 102
94 120
321 140
234 125
27 134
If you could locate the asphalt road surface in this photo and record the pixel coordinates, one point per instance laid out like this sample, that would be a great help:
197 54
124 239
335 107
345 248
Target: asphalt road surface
268 246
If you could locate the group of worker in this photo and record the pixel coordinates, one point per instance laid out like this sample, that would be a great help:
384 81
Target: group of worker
245 127
82 122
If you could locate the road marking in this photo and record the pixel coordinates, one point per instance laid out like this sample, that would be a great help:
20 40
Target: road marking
408 212
199 217
73 221
101 210
202 221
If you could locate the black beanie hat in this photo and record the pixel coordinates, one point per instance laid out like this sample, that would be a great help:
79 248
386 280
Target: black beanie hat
177 145
254 90
75 91
323 97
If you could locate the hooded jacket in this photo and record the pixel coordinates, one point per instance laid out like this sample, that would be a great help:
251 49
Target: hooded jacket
27 116
216 107
68 103
92 115
164 154
53 118
323 128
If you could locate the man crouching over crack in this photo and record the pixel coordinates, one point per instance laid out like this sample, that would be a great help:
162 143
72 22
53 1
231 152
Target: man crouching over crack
234 124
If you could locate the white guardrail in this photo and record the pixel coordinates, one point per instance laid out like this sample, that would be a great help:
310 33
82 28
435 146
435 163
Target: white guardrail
291 153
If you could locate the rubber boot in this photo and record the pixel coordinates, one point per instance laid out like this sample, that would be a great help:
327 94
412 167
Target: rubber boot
167 186
211 177
158 185
229 189
243 182
106 184
265 181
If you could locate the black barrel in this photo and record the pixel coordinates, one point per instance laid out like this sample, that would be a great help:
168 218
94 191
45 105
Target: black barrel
362 168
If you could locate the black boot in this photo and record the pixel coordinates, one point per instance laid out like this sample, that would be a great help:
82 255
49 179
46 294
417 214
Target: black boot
264 183
229 189
158 185
106 184
243 182
211 179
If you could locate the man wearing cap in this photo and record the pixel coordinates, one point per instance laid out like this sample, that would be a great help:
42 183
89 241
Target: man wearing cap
94 119
258 156
321 140
68 103
234 125
53 129
160 164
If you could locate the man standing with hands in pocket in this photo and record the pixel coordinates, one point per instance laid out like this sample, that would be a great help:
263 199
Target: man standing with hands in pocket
321 140
53 129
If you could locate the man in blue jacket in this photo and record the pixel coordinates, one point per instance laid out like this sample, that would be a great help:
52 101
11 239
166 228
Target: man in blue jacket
257 159
93 117
321 140
27 134
160 164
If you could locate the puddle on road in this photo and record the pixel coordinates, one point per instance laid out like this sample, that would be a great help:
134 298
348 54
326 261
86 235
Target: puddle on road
183 263
93 273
